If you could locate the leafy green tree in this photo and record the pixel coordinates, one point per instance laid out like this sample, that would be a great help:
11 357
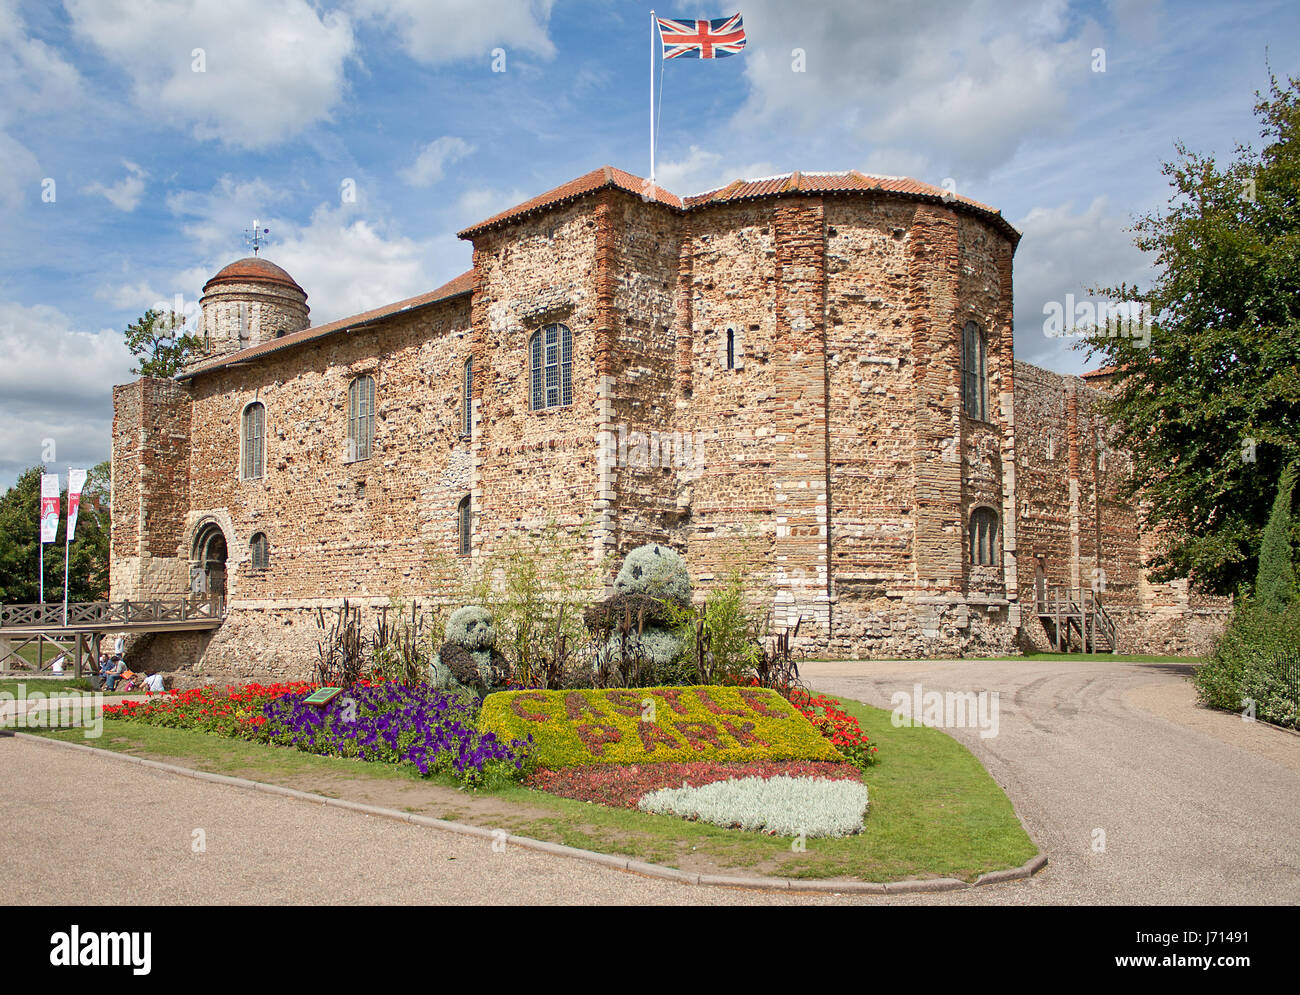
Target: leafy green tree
160 344
20 541
1210 411
1275 585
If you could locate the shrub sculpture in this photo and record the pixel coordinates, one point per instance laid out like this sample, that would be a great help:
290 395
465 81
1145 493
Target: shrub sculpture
646 725
636 622
469 658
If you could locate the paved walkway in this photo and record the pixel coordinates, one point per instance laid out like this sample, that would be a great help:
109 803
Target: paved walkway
1196 807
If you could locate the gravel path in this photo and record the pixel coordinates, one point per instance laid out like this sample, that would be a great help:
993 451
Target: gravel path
1196 807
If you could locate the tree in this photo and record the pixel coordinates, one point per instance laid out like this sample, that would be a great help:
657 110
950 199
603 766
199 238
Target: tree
20 541
1210 410
1275 585
160 344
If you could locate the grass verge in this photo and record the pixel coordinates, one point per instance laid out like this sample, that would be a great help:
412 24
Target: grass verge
935 811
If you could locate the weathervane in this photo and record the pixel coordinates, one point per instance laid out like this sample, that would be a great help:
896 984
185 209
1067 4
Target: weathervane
255 237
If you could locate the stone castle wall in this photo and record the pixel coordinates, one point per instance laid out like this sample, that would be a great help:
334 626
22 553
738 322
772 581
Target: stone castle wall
830 461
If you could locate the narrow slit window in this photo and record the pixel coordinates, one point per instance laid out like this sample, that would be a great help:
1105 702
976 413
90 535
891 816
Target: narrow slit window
254 441
984 537
361 417
464 526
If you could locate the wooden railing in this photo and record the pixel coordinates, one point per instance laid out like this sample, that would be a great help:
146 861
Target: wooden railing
101 614
1074 609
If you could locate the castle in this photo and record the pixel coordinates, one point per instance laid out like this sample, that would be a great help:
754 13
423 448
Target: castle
809 377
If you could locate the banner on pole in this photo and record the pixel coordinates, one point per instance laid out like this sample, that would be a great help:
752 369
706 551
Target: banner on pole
49 507
76 481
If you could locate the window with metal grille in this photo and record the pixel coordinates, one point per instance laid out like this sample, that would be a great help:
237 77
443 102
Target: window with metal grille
550 353
984 537
361 417
259 551
254 441
465 525
731 348
974 372
467 401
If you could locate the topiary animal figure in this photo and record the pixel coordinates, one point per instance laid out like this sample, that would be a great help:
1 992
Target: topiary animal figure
635 621
469 659
657 571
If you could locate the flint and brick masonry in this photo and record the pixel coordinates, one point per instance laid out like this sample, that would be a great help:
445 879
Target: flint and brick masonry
766 377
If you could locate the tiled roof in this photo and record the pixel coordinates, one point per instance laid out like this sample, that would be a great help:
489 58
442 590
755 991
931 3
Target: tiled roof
1103 371
812 184
458 287
597 179
254 269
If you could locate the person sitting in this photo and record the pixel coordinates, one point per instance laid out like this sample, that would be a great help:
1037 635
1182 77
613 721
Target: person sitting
114 672
153 682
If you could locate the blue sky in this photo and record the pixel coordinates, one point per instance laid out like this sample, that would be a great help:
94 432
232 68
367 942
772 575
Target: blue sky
157 168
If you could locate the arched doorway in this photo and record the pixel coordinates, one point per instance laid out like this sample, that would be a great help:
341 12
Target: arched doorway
1040 587
208 568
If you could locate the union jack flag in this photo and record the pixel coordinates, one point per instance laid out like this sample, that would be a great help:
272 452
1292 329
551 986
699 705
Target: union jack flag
702 39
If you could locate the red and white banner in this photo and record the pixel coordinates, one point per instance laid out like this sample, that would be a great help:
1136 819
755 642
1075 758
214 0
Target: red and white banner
76 481
49 507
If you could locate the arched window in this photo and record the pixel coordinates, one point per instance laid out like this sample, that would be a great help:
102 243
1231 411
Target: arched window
984 537
259 552
467 399
465 526
974 372
731 348
550 353
361 417
253 441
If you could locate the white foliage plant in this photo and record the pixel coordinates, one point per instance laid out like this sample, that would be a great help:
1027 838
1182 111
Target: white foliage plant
783 806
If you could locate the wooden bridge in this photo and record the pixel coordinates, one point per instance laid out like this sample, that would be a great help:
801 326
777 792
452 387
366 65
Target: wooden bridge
84 623
1070 612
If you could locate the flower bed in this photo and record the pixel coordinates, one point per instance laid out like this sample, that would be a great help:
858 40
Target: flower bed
623 785
230 711
393 723
836 725
570 728
781 806
385 722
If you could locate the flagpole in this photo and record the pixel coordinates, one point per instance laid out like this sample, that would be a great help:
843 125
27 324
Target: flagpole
652 98
67 545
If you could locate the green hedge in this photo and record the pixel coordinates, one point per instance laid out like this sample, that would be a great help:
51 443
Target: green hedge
1256 660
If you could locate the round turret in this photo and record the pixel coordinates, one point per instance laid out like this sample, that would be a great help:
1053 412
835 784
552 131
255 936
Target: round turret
249 302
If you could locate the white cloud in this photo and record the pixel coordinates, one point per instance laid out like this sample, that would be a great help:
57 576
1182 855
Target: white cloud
434 158
441 30
702 170
271 68
1065 251
34 80
56 382
348 265
347 262
480 203
952 87
217 218
125 194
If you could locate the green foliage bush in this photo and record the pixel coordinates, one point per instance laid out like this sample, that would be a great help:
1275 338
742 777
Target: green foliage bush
1255 660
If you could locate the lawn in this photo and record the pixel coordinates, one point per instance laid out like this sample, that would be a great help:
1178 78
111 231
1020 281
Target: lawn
46 685
934 810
